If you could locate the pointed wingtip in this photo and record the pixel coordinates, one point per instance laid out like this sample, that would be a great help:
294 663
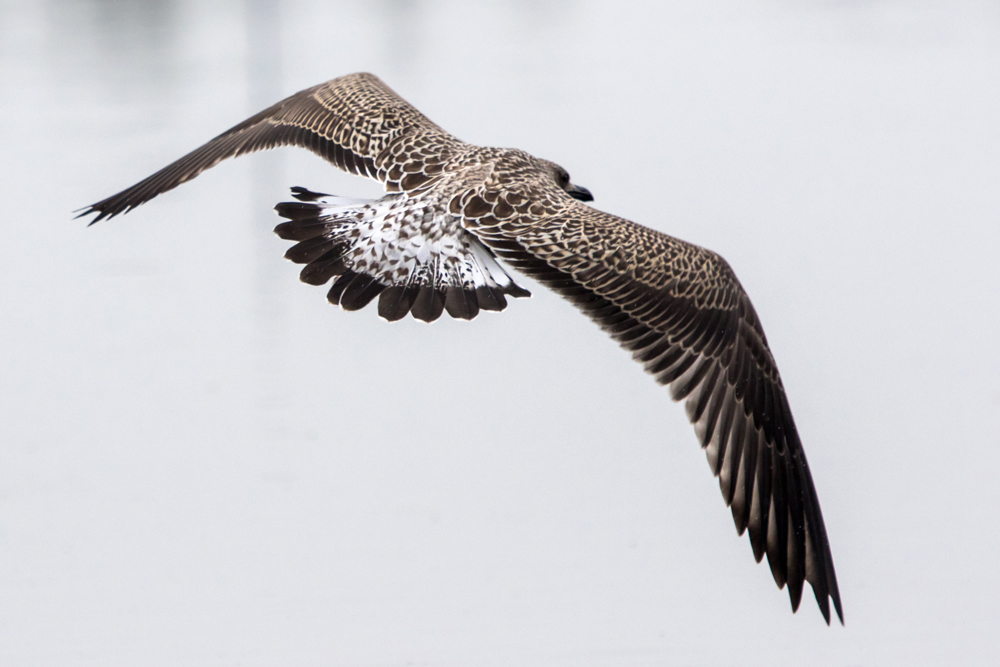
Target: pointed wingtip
824 607
838 608
85 211
795 595
102 212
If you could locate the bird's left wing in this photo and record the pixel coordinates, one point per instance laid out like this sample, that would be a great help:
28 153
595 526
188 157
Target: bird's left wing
683 314
355 122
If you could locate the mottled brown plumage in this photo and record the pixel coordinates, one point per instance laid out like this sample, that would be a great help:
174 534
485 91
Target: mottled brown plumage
429 247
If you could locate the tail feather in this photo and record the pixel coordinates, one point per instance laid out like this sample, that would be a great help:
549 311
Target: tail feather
320 270
312 249
490 298
339 285
461 303
360 292
384 249
302 194
299 231
395 302
428 305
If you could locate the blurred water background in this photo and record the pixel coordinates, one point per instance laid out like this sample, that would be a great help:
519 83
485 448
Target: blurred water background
203 463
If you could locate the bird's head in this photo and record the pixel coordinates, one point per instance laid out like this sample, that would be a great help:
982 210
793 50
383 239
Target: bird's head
561 177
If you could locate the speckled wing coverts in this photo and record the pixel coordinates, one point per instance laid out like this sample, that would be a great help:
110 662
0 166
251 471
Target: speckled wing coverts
431 245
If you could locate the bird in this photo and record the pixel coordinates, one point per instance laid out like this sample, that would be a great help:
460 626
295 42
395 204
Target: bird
456 217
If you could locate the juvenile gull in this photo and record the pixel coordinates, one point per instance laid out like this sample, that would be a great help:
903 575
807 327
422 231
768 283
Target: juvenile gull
432 243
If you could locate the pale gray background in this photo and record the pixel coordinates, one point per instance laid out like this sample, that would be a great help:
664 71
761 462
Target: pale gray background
203 463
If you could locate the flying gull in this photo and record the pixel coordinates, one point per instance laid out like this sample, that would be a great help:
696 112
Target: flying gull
432 244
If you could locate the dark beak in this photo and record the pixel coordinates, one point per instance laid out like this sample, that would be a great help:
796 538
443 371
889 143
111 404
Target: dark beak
580 193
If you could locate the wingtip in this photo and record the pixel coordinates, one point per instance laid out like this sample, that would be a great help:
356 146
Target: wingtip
85 211
795 593
824 607
838 608
102 211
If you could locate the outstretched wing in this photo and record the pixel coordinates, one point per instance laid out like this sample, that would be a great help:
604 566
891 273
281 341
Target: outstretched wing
355 122
683 314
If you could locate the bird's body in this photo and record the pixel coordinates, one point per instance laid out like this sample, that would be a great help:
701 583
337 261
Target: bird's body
452 209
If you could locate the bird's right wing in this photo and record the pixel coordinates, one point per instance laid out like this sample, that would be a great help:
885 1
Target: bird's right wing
683 314
355 122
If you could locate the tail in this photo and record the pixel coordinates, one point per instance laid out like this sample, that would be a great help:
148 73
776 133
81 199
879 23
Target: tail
380 248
